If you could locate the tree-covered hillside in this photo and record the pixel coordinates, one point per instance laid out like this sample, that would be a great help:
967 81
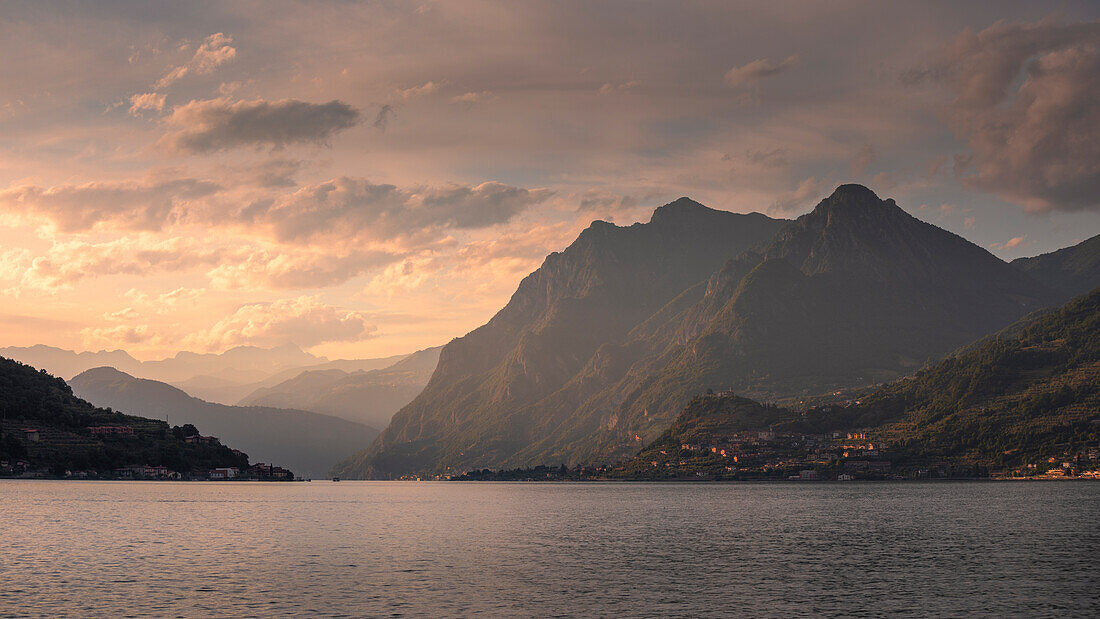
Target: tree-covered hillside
1012 402
45 428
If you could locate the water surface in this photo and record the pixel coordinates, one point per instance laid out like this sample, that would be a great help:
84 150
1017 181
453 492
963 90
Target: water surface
444 549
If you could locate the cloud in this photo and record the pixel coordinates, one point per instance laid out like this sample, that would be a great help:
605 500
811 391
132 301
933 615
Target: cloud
288 268
126 313
67 263
758 70
861 160
489 268
1025 101
145 204
416 92
1012 243
793 202
255 203
214 51
353 208
165 302
968 223
146 102
111 337
218 124
610 88
383 118
605 205
273 173
774 158
305 321
471 98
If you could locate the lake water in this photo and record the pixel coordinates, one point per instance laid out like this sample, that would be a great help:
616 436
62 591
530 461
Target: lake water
447 549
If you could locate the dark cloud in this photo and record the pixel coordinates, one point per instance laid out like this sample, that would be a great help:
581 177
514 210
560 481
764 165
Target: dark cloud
1026 101
356 208
217 124
383 117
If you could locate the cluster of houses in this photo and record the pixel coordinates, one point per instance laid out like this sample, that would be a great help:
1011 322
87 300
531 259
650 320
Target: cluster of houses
1085 464
850 454
260 471
25 468
110 430
197 439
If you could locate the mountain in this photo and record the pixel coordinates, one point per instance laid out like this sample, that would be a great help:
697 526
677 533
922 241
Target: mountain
308 443
593 293
1012 402
239 364
1071 271
225 391
369 397
599 349
63 438
853 293
66 363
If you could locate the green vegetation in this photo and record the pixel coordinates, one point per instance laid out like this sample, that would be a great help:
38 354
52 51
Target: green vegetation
1026 395
1013 403
34 400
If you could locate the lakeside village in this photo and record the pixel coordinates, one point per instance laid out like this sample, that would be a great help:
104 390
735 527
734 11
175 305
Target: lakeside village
791 456
33 437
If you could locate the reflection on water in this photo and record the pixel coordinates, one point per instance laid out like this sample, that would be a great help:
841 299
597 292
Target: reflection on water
432 549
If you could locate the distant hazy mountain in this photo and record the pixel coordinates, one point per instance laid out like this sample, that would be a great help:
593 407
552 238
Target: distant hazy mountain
600 348
1071 271
308 443
369 397
243 364
66 363
226 391
593 293
239 364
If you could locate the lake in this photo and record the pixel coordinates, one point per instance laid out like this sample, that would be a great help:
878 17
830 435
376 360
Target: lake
616 549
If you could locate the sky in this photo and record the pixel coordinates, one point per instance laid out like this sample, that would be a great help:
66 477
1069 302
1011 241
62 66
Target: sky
371 178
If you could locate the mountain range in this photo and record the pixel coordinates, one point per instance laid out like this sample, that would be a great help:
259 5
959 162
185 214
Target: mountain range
216 388
368 397
600 348
597 290
306 442
239 364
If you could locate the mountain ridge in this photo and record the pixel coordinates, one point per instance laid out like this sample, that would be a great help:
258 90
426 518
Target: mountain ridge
594 292
307 442
369 397
856 291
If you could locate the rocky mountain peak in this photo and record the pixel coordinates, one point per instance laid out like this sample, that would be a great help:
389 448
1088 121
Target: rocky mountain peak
680 210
